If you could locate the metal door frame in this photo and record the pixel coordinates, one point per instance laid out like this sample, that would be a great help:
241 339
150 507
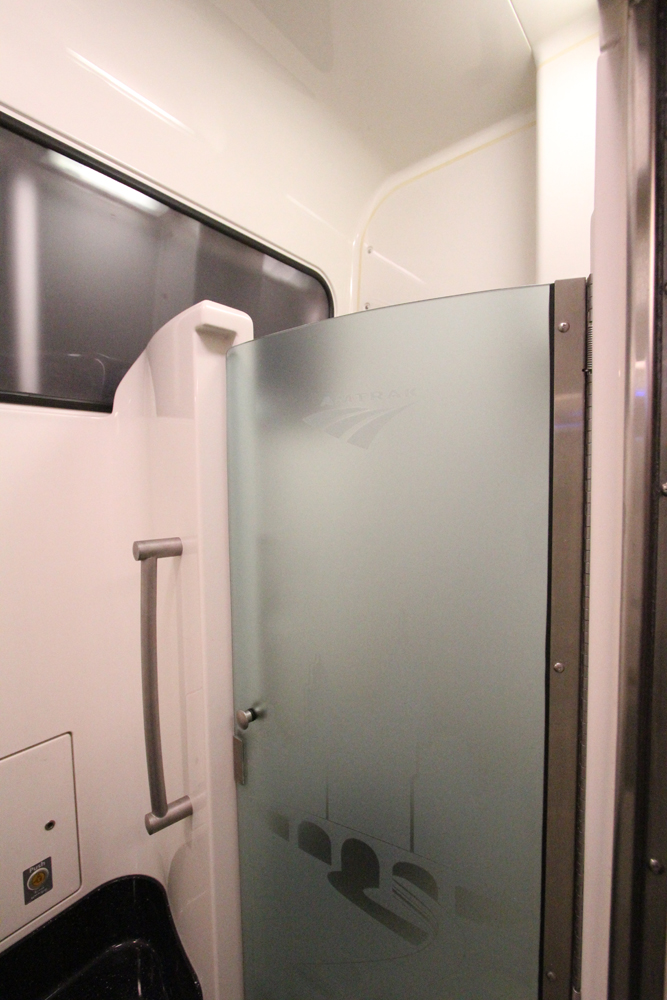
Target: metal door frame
560 968
639 905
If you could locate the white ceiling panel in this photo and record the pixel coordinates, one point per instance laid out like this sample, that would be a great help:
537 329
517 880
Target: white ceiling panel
408 76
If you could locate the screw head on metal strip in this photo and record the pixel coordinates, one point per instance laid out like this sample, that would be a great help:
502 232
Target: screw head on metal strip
551 976
656 866
559 667
564 326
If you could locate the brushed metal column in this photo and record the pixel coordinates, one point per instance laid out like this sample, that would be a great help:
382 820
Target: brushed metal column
634 639
565 642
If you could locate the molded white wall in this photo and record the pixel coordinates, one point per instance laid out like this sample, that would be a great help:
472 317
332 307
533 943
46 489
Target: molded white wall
566 96
77 490
460 221
240 137
474 216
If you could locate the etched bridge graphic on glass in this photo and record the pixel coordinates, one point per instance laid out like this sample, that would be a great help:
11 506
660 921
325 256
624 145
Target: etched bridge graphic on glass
413 888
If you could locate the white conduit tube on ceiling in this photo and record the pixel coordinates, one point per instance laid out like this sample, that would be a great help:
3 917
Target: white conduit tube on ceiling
25 280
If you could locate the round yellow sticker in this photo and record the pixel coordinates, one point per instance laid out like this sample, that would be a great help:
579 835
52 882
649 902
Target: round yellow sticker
38 878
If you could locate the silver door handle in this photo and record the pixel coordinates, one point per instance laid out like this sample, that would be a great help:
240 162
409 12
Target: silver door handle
163 813
244 718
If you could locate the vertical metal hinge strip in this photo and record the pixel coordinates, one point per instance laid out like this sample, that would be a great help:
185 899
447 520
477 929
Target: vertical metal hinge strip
238 745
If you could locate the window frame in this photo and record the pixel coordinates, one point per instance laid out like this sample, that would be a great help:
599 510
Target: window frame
50 141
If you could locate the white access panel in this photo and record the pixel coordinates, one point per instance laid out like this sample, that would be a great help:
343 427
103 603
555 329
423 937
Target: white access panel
39 843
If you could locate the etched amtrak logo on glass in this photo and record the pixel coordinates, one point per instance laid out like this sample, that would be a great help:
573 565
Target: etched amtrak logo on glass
359 424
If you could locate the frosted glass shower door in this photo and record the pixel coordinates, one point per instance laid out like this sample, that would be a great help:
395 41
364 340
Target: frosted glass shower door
389 493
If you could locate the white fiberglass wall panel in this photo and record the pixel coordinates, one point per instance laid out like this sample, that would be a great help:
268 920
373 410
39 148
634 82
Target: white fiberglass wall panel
461 221
566 111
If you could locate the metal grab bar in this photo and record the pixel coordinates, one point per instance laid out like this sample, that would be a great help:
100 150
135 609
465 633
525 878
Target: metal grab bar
163 813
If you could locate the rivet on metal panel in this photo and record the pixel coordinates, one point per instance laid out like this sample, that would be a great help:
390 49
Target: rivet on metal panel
559 667
564 326
656 866
663 489
551 976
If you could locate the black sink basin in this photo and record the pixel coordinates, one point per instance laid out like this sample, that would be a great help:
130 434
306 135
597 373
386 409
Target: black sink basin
117 943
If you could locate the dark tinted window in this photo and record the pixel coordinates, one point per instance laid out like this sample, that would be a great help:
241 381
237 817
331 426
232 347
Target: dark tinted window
90 268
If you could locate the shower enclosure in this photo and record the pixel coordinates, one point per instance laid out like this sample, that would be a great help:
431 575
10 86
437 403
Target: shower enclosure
407 496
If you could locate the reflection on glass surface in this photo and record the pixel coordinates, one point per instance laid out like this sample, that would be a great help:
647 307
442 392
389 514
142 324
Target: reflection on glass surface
90 268
22 203
389 491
